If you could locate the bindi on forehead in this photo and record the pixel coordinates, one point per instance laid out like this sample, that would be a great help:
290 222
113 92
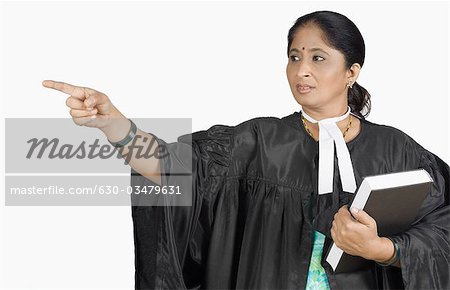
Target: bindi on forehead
310 49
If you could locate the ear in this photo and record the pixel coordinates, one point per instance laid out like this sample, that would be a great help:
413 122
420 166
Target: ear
353 72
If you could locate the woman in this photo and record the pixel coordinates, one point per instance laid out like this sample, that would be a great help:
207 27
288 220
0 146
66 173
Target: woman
266 205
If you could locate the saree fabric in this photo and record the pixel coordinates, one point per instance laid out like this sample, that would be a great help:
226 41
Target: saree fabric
255 210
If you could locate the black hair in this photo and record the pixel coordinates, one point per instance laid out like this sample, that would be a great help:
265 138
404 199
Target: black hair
341 34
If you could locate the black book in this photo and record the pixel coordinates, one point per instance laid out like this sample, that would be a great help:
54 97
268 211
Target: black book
393 200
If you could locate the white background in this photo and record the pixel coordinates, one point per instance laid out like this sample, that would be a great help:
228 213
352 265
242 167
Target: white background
215 62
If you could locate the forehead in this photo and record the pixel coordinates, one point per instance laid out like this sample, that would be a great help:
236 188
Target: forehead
309 36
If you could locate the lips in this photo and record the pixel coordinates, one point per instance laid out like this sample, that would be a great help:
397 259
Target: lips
304 88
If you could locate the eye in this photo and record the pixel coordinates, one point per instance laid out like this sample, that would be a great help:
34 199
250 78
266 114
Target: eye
293 57
315 57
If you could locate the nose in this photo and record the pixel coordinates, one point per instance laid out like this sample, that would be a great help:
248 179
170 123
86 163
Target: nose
303 69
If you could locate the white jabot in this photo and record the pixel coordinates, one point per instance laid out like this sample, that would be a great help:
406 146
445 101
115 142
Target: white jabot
330 134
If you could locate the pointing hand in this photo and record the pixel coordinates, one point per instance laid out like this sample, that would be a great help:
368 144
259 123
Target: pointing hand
88 107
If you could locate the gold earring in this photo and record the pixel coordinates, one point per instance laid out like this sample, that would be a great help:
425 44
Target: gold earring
349 84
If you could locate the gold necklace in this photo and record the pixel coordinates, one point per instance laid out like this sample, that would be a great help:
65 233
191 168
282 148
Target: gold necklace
343 134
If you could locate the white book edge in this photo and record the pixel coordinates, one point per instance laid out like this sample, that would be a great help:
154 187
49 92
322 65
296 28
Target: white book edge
390 180
399 179
334 256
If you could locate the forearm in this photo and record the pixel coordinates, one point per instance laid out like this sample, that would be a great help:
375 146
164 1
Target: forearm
140 153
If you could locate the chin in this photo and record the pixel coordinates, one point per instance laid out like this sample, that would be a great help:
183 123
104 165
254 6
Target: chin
307 102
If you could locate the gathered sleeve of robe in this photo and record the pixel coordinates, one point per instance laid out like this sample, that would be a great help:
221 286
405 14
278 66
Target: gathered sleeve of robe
425 248
171 242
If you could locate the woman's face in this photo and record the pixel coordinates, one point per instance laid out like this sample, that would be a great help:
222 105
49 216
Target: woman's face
314 64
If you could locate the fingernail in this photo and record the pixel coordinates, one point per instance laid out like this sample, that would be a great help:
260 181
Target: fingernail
354 210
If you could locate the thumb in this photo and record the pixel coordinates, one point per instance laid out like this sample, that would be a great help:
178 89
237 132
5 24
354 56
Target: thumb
362 216
99 100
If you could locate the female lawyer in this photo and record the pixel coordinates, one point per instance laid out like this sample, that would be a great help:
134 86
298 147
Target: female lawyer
270 194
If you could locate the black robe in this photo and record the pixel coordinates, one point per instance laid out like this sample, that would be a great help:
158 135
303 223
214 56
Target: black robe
255 208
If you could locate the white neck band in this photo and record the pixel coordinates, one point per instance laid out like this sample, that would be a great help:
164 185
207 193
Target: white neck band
329 135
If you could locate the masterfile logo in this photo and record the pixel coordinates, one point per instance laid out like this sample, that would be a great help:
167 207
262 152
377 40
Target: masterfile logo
54 162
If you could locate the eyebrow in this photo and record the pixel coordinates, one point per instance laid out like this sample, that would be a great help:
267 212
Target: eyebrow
312 49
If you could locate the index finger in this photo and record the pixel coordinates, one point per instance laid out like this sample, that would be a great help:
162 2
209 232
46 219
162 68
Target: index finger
60 86
344 212
75 91
343 208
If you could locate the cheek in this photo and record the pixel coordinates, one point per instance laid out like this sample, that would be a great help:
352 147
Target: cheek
290 76
331 77
289 70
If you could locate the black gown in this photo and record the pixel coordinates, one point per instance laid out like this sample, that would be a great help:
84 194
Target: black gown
255 209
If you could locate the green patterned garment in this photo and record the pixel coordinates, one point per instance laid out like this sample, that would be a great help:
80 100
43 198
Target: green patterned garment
317 278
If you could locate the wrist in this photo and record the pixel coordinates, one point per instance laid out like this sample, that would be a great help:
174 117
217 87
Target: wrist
115 125
384 250
387 252
395 259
